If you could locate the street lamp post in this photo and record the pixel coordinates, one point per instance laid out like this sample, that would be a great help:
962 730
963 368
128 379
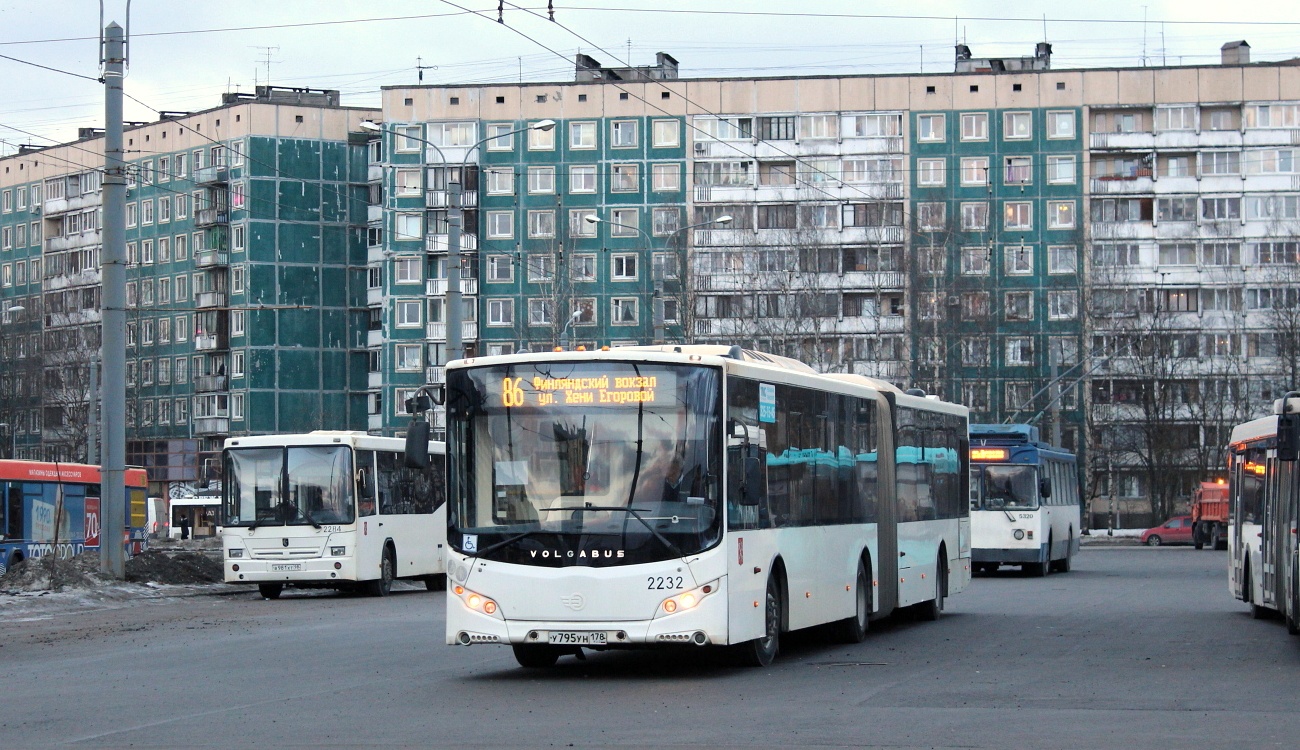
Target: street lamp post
455 219
656 270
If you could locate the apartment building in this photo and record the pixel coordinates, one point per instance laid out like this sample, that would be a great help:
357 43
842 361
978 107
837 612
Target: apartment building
1110 253
246 294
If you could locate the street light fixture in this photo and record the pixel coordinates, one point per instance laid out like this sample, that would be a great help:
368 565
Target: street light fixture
656 270
455 218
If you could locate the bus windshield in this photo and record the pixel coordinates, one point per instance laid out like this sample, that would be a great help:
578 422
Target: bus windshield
294 486
1004 487
591 463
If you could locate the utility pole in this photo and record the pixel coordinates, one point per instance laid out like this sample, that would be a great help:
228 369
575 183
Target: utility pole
454 219
92 413
113 490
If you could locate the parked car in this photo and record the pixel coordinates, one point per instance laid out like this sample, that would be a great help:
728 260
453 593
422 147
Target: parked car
1177 530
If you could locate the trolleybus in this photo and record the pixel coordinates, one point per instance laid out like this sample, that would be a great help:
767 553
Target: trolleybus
51 507
1024 499
1264 491
331 510
699 495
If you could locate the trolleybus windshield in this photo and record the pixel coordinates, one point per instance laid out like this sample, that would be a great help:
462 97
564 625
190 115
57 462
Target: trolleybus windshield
1005 487
592 463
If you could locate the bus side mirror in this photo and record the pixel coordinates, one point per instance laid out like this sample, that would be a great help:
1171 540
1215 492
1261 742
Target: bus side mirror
1288 437
1044 487
417 445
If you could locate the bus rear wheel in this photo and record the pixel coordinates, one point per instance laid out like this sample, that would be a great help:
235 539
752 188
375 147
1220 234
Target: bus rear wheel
436 582
760 652
535 656
270 590
854 629
930 611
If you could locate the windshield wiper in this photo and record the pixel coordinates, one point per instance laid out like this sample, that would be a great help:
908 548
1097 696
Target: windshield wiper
504 542
307 515
649 527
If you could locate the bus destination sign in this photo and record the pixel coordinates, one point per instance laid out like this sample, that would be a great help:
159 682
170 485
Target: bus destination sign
595 389
989 454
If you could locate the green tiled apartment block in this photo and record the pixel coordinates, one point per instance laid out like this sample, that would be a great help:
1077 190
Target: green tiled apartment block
997 215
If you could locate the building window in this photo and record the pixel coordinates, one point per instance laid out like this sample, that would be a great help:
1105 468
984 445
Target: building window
408 313
1060 124
541 140
1019 170
541 180
819 126
931 172
1018 260
582 267
931 216
501 312
975 306
1215 163
667 177
624 178
1018 306
501 136
1017 126
1175 209
975 216
578 224
1061 259
1062 305
1060 215
541 224
623 311
624 222
1220 209
776 128
500 268
623 134
582 179
500 181
975 353
501 225
623 266
1060 170
975 170
666 221
582 135
409 227
667 134
1018 215
1019 351
540 312
541 267
975 126
930 128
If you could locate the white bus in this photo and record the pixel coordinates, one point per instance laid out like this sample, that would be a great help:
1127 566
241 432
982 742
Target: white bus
1264 492
1024 499
331 510
699 495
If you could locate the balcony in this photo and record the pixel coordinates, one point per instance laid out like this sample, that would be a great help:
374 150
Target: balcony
438 287
210 342
435 375
437 243
209 383
210 299
211 217
1123 141
211 259
438 331
442 199
1139 184
211 425
212 175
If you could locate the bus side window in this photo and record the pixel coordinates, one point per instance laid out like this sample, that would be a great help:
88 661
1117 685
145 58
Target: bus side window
365 472
386 478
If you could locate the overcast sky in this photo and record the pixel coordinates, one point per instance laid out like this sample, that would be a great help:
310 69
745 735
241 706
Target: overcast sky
184 54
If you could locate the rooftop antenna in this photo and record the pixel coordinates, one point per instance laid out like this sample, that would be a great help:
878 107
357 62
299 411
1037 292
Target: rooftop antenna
420 67
268 51
1144 36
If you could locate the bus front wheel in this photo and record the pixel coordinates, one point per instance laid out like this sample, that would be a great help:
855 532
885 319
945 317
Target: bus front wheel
760 652
384 584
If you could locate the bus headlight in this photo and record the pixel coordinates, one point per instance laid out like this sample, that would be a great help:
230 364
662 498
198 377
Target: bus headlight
234 552
477 602
338 551
1018 534
687 600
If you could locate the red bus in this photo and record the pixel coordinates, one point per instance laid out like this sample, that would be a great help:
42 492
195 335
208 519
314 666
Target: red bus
51 507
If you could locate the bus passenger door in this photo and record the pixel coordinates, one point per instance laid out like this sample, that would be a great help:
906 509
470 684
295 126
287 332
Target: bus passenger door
750 538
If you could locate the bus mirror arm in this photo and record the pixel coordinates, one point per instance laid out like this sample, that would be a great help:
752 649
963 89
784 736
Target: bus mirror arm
1288 430
1045 487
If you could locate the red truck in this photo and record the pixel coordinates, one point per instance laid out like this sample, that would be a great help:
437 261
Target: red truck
1210 515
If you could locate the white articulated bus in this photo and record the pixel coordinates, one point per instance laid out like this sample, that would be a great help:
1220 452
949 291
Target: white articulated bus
331 510
1024 497
698 495
1264 492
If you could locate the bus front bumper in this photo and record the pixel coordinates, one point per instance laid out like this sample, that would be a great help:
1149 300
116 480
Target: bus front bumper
702 625
321 571
1009 556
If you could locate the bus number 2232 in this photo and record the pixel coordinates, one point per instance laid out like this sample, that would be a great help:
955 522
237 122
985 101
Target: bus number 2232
660 583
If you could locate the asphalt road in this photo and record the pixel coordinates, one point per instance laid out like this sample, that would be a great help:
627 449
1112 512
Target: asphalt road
1135 648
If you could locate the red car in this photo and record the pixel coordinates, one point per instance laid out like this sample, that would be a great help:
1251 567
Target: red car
1177 530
